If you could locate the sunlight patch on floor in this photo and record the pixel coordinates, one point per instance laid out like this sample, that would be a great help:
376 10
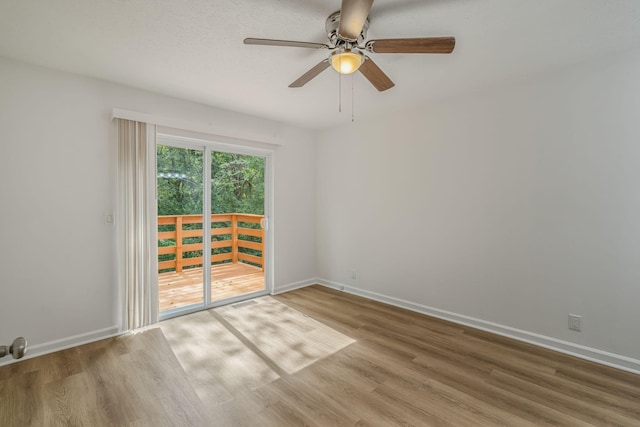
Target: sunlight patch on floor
230 353
287 337
218 364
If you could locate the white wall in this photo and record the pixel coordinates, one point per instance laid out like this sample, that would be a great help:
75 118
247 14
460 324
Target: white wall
295 209
518 205
58 154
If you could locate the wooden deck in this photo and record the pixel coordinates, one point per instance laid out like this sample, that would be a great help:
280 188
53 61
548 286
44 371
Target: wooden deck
177 290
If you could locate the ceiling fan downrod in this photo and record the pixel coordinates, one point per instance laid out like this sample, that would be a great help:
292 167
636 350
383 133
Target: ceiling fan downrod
332 25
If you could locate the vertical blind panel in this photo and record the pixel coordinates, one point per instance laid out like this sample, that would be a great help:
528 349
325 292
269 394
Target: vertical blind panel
135 235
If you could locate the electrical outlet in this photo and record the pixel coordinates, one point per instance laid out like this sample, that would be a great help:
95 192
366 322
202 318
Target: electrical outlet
108 218
575 322
354 276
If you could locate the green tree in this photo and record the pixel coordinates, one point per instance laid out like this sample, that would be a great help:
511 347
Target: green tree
237 186
237 183
180 195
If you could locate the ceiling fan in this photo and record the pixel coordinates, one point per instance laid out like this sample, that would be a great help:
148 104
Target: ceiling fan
347 32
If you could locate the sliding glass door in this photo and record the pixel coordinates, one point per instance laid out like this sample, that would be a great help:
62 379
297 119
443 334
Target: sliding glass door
180 230
237 221
209 259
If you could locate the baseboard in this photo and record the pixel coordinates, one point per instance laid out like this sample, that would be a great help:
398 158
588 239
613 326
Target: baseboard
68 342
592 354
64 343
296 285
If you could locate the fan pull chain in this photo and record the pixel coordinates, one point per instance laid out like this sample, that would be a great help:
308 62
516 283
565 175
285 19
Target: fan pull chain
352 98
340 88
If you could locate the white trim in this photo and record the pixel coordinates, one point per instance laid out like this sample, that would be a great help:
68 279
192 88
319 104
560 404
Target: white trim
592 354
152 223
206 225
166 137
588 353
179 142
219 139
335 285
296 285
217 130
68 342
269 265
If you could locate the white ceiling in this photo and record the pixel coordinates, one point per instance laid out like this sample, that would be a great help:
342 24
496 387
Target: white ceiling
193 49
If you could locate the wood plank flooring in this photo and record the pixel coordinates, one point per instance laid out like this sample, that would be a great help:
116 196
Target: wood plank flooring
125 381
385 366
318 357
177 290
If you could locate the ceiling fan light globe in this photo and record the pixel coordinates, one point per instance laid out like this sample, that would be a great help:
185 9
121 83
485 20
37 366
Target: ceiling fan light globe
346 62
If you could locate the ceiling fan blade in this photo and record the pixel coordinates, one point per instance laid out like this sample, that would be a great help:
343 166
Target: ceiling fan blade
306 77
286 43
353 14
420 45
375 75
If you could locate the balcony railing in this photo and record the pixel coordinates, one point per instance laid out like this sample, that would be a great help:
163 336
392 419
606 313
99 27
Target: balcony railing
228 231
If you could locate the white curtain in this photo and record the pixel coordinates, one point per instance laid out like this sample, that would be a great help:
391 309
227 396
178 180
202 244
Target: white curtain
136 167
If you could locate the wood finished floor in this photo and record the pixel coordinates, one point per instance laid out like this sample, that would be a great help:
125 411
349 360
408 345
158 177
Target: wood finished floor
385 366
132 380
319 357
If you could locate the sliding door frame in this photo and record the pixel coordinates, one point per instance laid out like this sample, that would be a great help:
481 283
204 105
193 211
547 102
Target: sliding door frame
208 147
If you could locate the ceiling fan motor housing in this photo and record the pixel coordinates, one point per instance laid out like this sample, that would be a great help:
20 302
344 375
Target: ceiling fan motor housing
333 23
